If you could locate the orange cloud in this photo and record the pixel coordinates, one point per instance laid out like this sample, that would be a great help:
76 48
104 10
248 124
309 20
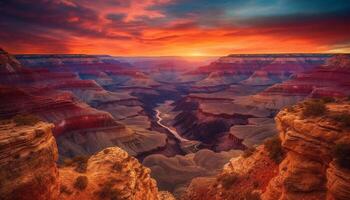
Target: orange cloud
155 28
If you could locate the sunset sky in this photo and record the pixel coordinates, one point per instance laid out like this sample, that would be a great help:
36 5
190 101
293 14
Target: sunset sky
174 27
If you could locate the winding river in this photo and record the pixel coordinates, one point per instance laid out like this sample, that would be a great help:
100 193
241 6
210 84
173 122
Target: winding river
174 132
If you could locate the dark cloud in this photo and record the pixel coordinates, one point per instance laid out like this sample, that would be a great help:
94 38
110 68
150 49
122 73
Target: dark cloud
116 17
53 15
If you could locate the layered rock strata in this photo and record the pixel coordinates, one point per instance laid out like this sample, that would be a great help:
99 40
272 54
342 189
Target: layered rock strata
309 170
28 156
28 170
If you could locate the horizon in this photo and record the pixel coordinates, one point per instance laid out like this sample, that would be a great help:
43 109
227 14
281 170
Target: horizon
180 56
137 28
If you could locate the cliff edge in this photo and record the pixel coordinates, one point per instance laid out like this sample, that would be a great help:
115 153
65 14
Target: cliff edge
308 160
28 169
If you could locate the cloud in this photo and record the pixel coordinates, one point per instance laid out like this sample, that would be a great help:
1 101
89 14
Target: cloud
173 27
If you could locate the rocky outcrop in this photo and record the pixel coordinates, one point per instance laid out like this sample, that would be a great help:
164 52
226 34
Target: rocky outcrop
87 118
28 170
312 166
8 63
110 174
241 178
28 156
175 173
309 170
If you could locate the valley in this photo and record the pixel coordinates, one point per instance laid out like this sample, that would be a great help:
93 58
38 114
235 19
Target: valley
181 118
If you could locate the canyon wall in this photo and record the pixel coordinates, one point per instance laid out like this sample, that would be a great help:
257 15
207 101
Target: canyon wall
28 169
65 90
313 162
28 156
309 170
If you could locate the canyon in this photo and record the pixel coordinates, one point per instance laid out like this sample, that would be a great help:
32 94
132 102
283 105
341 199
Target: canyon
309 167
144 125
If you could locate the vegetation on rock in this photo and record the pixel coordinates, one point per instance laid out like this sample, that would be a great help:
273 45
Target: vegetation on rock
108 192
327 99
343 119
252 196
26 120
81 182
64 189
227 179
341 153
248 152
79 162
274 149
314 108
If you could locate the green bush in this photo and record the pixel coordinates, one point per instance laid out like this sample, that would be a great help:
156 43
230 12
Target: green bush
343 118
29 120
341 153
81 182
227 179
314 108
274 149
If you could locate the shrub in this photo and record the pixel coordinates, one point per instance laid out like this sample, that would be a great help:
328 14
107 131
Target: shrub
227 179
64 189
81 182
327 99
256 184
314 108
252 196
117 166
274 149
248 152
290 109
108 192
5 121
106 151
29 120
343 118
79 162
341 153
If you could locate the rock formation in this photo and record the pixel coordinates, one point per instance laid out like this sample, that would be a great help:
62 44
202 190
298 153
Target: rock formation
309 170
315 165
87 118
240 178
28 170
28 156
175 173
110 174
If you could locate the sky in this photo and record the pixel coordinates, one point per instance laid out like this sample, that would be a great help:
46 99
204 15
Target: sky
175 27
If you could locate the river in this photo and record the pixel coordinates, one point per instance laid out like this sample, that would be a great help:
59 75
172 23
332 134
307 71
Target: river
174 132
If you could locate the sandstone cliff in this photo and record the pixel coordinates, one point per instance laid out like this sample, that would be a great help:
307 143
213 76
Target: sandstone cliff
313 164
28 169
28 156
109 174
242 178
309 170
